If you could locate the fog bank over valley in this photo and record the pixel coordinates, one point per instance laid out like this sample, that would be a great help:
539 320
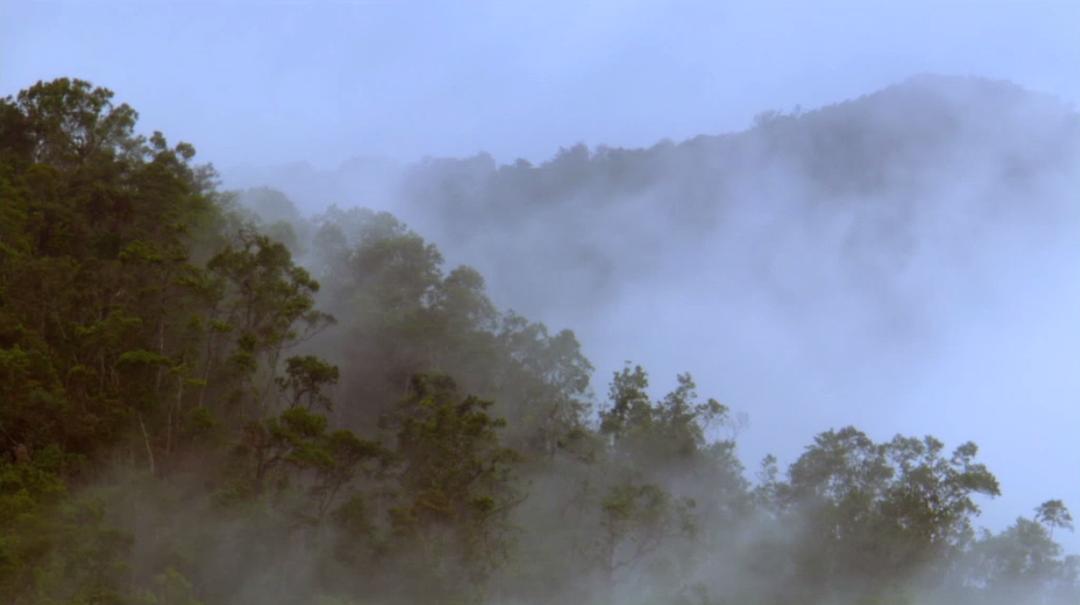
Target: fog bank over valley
905 261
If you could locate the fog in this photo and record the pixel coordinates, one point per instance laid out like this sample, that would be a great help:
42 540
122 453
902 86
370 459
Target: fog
833 213
916 279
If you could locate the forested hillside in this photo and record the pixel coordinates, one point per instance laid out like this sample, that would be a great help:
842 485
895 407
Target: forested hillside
897 260
207 398
873 181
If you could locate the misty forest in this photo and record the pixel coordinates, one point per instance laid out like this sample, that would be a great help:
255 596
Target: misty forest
210 397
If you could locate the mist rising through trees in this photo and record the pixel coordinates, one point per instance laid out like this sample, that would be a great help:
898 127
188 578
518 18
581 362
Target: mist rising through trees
209 401
904 261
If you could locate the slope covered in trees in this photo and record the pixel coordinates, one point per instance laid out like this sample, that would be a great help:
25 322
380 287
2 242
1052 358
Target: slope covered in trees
189 414
871 181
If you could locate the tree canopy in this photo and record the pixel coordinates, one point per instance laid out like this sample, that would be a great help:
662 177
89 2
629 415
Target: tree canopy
208 398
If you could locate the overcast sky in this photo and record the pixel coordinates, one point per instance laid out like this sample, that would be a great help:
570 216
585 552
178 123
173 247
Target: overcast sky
267 81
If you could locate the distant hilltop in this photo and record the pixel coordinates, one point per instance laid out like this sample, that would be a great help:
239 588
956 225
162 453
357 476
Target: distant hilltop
928 143
853 146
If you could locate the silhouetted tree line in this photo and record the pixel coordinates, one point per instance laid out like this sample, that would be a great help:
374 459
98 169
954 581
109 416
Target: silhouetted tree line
190 415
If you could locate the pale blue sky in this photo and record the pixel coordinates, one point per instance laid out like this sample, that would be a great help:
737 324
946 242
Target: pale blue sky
277 80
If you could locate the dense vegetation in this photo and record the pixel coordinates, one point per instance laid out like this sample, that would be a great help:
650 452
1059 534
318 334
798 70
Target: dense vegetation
209 401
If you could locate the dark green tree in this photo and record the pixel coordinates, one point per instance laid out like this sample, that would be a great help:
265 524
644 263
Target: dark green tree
457 484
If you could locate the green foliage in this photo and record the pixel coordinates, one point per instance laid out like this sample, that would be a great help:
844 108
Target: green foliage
455 476
304 381
183 422
29 489
635 521
669 432
1054 515
853 494
170 588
